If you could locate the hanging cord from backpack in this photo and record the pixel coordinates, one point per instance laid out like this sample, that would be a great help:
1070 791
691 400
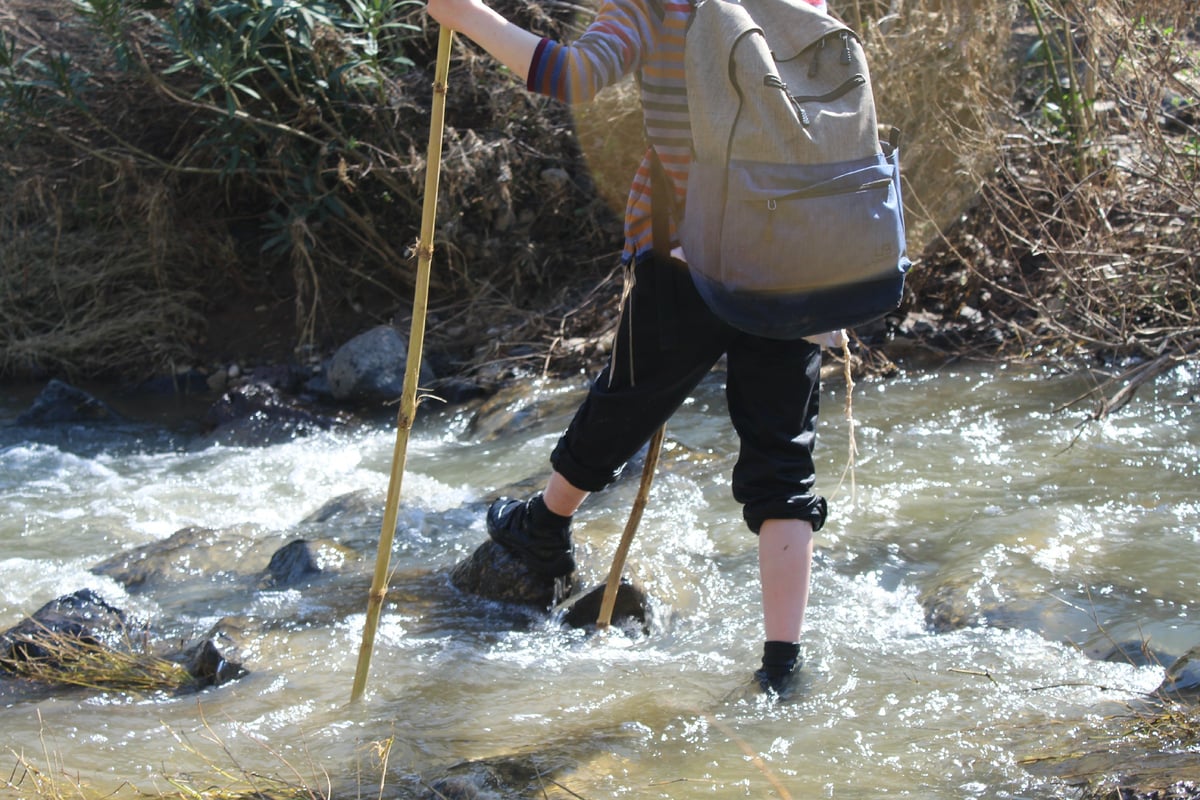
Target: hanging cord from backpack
852 445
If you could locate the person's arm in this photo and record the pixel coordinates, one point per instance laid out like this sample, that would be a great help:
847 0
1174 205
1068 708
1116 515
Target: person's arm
572 73
510 44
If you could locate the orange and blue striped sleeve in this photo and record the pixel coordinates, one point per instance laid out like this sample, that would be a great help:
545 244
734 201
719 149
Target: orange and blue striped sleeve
608 50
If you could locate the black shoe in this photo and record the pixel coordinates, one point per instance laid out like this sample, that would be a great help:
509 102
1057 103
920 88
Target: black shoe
781 686
546 549
781 664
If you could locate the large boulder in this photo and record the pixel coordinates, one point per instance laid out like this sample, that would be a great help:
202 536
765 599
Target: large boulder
370 368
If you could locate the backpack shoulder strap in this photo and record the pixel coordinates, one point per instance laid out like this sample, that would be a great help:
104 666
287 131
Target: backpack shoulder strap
662 205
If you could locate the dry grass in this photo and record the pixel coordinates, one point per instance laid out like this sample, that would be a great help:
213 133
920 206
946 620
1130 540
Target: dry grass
52 658
222 775
86 304
1083 245
943 72
1140 754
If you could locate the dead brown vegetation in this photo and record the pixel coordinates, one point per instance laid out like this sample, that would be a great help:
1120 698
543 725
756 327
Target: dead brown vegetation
1081 244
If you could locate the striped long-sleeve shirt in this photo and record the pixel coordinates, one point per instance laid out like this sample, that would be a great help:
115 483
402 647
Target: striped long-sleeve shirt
629 35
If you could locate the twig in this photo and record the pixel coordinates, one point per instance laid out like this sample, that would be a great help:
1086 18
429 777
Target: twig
975 673
755 759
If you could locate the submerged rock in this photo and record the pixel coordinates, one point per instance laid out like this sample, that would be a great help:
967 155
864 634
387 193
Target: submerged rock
494 778
202 555
1183 676
258 414
302 560
950 607
631 605
62 403
1137 653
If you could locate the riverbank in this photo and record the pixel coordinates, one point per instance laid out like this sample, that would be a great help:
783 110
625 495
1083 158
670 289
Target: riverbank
1048 205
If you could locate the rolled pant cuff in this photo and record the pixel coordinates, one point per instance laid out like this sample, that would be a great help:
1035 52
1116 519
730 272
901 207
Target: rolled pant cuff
588 480
810 508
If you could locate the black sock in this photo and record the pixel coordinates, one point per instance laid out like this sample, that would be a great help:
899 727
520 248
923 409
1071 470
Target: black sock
543 518
779 658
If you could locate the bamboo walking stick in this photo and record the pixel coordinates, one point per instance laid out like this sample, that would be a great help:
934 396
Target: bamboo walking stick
635 516
416 340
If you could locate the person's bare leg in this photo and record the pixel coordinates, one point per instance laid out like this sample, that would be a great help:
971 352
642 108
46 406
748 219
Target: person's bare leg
561 497
784 565
785 548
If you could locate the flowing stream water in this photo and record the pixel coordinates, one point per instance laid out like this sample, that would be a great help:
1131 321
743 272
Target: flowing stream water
1057 539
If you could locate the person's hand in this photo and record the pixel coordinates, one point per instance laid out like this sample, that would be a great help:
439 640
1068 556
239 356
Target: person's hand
451 13
510 44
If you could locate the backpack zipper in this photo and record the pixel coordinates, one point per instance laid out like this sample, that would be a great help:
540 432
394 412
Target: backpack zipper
814 66
775 82
828 189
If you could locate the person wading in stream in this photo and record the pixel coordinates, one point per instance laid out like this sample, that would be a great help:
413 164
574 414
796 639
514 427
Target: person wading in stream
668 339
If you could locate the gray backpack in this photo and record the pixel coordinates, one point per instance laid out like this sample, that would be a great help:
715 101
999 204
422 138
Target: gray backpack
794 223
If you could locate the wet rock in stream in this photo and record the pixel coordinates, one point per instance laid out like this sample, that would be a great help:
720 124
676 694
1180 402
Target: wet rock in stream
1183 676
258 414
193 554
357 506
79 619
81 641
303 560
493 573
514 409
493 779
630 606
215 658
61 402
